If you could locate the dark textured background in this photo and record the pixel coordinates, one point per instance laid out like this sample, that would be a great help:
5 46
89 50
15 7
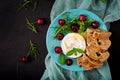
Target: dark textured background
15 36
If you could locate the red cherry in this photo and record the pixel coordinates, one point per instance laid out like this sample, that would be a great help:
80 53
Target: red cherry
40 21
61 22
60 36
58 49
82 17
95 25
69 62
74 28
24 59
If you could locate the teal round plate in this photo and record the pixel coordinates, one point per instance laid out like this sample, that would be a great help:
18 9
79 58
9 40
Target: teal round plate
52 42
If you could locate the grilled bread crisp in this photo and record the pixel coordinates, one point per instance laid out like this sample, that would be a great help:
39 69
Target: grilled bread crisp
96 51
87 63
98 38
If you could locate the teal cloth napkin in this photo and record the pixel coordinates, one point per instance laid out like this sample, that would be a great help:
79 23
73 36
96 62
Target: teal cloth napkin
108 11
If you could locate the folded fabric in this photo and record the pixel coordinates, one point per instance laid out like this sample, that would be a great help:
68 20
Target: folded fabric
108 11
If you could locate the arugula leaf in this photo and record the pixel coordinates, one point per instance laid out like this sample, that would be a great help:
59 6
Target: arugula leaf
84 25
62 29
66 28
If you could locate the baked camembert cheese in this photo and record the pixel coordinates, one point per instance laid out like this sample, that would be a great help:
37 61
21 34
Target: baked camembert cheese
71 41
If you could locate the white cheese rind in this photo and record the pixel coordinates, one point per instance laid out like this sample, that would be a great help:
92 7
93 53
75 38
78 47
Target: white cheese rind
73 40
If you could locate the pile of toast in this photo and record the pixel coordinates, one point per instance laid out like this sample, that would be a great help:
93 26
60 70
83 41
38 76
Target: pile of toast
96 52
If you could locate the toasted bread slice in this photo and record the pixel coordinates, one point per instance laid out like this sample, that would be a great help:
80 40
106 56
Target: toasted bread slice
97 53
97 33
87 63
99 38
83 61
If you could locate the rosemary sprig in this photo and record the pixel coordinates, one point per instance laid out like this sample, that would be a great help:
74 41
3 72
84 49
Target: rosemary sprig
35 4
28 4
31 25
23 5
34 50
33 53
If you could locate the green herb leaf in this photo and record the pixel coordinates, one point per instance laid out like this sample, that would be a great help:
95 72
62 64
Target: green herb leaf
35 4
62 59
74 51
31 26
62 29
71 52
34 50
78 50
28 4
66 28
24 4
